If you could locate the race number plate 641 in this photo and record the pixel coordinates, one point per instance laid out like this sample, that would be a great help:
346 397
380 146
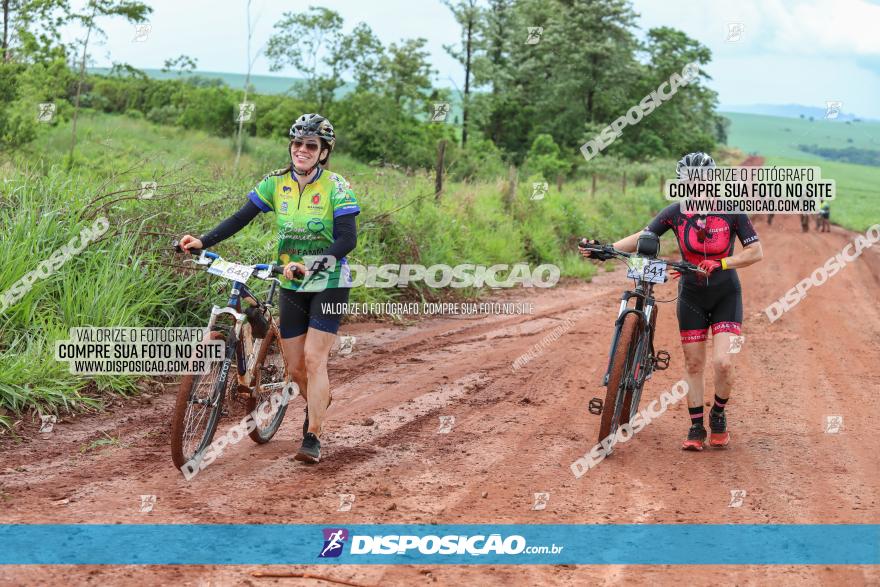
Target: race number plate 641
646 269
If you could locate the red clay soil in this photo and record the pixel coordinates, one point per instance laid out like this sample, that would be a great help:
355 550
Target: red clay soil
515 433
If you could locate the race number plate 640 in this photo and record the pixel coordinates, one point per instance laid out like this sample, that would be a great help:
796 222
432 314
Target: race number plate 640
232 271
646 269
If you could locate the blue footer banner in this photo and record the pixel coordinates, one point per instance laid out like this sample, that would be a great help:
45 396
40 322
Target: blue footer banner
277 544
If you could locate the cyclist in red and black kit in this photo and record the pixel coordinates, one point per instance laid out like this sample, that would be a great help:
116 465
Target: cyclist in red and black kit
711 300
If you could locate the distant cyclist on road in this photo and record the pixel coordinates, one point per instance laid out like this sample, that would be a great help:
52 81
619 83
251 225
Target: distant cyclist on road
822 219
315 213
704 301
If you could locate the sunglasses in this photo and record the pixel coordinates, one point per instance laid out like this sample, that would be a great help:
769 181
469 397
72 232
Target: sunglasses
311 146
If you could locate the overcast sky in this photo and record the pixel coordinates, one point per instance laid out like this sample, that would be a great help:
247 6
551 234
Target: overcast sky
787 51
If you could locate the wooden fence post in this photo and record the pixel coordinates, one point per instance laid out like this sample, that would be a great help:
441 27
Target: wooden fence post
559 183
510 193
593 189
624 183
438 171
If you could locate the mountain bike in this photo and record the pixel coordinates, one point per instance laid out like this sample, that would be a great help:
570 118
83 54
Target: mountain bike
252 342
632 358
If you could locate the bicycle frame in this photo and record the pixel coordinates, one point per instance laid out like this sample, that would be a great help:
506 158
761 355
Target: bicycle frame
233 308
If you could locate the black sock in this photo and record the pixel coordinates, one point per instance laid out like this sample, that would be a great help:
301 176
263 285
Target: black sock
718 408
696 416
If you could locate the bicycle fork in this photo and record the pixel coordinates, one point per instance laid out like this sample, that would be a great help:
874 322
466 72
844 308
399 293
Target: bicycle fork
647 360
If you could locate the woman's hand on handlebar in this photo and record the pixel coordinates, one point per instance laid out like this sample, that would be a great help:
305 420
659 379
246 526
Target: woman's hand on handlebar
591 253
709 265
678 271
188 242
293 270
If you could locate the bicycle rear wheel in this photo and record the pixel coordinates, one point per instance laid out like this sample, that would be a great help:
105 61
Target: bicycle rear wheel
620 366
269 377
199 406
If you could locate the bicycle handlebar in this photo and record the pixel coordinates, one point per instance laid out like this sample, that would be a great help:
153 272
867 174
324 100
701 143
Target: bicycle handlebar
609 251
273 269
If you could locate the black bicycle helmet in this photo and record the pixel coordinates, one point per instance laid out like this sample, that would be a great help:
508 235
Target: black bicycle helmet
698 159
314 125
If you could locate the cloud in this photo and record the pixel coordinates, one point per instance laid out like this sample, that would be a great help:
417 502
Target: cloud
822 27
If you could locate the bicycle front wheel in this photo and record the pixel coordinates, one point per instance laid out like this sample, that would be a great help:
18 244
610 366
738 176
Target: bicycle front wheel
268 401
199 406
620 367
634 376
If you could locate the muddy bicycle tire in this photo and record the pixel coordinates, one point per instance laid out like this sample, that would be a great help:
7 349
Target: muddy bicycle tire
268 369
181 453
614 395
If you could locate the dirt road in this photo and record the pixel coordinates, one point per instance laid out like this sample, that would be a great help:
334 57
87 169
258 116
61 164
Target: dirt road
515 433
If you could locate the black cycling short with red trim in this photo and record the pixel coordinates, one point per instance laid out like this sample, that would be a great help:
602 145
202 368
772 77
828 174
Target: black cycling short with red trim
717 306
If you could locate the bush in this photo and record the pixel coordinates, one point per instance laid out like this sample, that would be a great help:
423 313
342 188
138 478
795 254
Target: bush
165 115
375 130
22 89
480 159
544 158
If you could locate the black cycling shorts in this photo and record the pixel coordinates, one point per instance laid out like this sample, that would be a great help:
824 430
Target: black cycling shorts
699 307
303 310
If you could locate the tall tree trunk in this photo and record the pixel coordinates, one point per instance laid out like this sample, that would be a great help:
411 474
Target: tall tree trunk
5 30
247 85
467 79
79 83
238 138
589 105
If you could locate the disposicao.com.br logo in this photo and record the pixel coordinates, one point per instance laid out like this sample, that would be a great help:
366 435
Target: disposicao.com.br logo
334 541
393 544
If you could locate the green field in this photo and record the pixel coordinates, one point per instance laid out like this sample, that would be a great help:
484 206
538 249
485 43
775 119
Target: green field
774 135
263 84
857 205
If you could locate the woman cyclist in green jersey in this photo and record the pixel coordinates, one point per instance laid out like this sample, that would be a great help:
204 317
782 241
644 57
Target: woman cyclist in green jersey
315 213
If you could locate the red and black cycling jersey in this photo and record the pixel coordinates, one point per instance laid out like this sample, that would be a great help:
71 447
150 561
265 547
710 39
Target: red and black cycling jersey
703 236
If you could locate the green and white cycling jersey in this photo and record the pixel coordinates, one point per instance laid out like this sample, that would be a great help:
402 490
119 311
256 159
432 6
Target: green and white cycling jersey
305 220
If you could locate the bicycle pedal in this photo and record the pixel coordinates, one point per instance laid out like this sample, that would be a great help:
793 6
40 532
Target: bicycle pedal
661 360
595 406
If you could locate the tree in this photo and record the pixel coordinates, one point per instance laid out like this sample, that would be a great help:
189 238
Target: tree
364 53
544 158
492 65
33 28
9 6
687 122
467 14
180 65
247 85
131 10
407 73
594 84
312 43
